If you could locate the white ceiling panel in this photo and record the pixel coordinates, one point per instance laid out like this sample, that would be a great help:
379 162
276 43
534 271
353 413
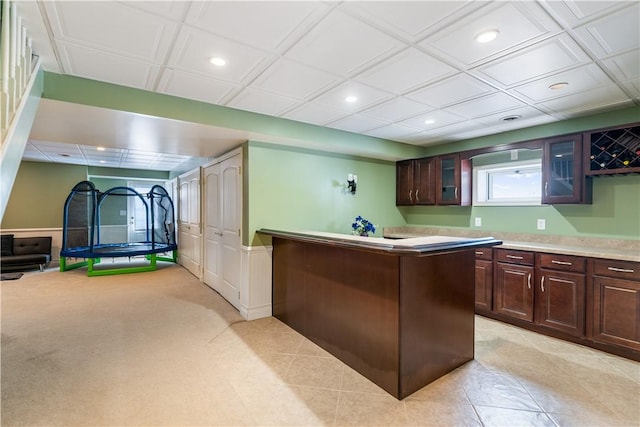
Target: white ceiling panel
540 60
524 114
343 45
107 67
625 66
582 78
112 26
436 118
262 102
615 33
394 131
451 91
357 123
577 12
268 25
406 71
295 80
518 23
494 103
409 19
604 98
194 48
397 109
315 113
192 86
366 96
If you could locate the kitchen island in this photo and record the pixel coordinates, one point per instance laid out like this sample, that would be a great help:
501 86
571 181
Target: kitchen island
400 312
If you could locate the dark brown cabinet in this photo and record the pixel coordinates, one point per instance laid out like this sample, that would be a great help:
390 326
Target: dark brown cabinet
513 284
613 150
484 280
616 303
415 182
563 181
453 180
560 293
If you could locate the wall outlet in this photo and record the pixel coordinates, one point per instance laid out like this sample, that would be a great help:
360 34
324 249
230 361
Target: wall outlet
478 221
542 224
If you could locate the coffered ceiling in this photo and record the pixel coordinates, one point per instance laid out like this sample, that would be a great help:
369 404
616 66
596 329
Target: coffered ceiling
410 72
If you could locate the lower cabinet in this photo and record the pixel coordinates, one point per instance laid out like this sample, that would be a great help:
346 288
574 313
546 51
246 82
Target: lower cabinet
513 291
484 280
616 303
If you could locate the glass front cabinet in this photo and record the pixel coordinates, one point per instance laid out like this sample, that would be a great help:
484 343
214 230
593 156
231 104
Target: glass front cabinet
563 181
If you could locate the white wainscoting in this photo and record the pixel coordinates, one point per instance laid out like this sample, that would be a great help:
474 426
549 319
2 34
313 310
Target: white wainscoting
255 290
56 239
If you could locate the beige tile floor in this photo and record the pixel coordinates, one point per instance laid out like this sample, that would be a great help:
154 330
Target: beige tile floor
163 349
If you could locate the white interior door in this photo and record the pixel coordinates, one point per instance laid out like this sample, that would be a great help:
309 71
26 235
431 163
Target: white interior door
189 226
223 220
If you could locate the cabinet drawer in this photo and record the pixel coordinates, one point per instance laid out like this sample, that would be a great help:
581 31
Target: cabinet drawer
514 257
619 269
562 262
484 253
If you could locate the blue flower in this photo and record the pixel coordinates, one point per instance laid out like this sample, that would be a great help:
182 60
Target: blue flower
362 226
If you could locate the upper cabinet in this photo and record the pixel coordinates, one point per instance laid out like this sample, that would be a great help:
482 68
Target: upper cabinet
415 182
612 150
563 181
453 180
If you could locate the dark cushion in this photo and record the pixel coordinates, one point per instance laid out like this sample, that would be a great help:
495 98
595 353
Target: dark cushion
6 244
31 245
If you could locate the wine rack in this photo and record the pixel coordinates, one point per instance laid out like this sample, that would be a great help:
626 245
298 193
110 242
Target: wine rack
614 151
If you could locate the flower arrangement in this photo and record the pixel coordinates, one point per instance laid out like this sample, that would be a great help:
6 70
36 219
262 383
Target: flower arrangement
362 227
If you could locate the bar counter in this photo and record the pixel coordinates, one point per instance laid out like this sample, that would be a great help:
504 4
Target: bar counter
400 312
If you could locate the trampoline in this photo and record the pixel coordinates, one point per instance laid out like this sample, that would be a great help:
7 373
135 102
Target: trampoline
86 236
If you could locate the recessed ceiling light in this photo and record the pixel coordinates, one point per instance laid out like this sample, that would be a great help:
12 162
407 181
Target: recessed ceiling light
351 99
217 61
429 122
487 36
558 86
510 118
103 161
100 148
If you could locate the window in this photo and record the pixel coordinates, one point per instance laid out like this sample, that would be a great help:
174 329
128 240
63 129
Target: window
515 183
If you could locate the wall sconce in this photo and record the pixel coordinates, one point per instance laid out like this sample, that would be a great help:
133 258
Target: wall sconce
352 180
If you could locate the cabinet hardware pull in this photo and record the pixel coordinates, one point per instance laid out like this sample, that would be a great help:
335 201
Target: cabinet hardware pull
479 252
553 261
542 283
411 195
546 185
514 257
417 199
620 270
529 281
455 192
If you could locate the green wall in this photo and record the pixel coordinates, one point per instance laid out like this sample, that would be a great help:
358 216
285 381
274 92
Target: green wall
38 195
299 189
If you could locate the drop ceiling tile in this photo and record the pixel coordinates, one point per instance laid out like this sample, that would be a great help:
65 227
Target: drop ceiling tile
625 66
294 80
406 71
357 123
397 109
261 102
537 61
113 26
615 33
409 19
106 67
194 48
342 45
366 97
393 132
600 99
439 117
451 91
494 103
633 87
192 86
173 10
579 79
528 116
519 24
315 113
577 12
269 25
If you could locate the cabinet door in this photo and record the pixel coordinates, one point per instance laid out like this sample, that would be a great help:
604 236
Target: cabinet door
513 292
616 311
448 180
404 182
560 301
484 285
424 181
563 180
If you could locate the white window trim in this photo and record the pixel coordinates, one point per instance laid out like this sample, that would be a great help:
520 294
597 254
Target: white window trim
480 195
